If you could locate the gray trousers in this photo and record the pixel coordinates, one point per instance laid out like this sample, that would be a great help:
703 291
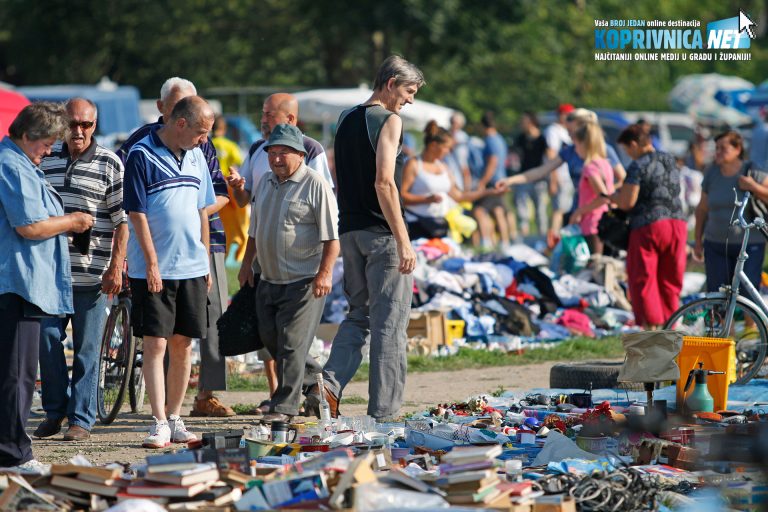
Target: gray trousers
379 299
288 317
213 367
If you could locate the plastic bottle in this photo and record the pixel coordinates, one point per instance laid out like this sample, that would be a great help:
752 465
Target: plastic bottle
325 409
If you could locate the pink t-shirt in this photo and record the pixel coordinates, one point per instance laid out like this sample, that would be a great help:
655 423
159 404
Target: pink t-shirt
597 167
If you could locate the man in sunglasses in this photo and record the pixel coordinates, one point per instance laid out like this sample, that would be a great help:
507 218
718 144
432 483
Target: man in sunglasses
88 178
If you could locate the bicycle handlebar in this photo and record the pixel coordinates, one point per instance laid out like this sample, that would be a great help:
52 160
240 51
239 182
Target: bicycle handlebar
742 207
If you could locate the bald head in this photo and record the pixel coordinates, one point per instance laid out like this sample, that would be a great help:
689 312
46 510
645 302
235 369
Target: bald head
189 123
280 108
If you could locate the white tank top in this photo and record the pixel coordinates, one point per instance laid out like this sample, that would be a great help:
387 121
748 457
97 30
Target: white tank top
427 183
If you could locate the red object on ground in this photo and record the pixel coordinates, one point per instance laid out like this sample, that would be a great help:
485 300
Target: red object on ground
11 104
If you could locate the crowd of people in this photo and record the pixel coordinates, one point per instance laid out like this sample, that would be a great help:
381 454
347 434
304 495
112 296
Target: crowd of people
171 201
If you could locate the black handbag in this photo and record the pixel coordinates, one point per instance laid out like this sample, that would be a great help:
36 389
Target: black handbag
238 326
613 229
433 227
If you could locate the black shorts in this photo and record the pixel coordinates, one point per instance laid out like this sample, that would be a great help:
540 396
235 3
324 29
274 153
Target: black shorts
180 308
489 203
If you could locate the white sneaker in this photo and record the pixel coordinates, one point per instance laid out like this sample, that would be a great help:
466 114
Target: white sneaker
179 433
31 467
159 435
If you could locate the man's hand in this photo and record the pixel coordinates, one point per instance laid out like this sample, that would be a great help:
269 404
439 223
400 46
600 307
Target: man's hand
208 281
245 275
234 180
322 284
698 251
112 281
154 281
80 221
407 257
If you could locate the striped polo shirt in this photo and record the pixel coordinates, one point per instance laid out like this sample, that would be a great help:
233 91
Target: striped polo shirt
170 191
215 226
93 183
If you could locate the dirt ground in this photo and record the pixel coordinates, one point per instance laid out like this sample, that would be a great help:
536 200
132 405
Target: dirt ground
121 441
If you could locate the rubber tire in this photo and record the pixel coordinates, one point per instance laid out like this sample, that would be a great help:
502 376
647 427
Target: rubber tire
601 375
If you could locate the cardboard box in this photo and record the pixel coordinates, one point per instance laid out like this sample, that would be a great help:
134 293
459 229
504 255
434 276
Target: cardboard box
555 503
430 328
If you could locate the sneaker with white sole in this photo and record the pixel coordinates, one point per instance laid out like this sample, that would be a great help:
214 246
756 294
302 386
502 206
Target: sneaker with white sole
179 433
159 435
31 467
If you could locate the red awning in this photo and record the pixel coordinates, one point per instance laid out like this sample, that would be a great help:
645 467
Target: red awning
11 104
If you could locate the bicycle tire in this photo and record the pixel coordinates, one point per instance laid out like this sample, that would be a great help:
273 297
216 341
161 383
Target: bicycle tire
137 389
702 317
115 362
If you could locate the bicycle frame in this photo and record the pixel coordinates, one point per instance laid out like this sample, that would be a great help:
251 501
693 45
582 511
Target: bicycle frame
740 278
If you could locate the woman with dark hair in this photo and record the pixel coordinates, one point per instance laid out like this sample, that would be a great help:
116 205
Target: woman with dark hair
428 186
35 276
656 255
718 242
532 147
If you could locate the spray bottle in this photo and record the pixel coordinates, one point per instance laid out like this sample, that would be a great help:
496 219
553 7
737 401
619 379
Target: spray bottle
700 400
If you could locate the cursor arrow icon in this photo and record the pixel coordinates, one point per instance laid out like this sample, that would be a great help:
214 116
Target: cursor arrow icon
746 24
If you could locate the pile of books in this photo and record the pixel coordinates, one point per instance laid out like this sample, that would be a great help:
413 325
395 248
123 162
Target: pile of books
468 477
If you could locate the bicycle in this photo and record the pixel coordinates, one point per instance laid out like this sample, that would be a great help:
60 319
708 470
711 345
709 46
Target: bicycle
731 314
120 362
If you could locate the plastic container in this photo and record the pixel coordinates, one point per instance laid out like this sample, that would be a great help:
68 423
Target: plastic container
455 330
717 354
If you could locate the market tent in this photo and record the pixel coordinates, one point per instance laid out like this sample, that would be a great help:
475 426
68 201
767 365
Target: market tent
698 95
11 104
324 106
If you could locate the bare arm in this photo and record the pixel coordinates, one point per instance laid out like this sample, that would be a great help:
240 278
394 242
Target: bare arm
626 197
221 202
535 174
700 214
205 237
620 174
76 222
246 267
236 183
489 173
144 237
323 282
598 187
112 280
387 194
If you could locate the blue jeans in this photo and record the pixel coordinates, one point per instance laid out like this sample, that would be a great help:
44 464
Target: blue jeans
720 263
76 399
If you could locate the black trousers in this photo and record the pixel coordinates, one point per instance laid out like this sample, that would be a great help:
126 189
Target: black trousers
19 346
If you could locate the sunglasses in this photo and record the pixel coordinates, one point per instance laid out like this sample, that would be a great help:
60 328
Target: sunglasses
85 125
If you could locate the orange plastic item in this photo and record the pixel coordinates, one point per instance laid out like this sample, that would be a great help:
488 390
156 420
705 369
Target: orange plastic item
717 354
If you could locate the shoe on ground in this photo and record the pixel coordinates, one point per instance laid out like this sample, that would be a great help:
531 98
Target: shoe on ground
49 427
211 407
312 402
31 467
276 416
76 433
159 435
179 433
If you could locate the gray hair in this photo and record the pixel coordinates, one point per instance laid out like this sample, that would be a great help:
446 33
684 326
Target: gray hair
401 70
459 118
40 120
193 109
70 101
176 83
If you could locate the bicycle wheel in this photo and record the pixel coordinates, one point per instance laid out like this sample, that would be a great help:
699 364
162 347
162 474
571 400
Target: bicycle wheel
115 362
137 388
706 317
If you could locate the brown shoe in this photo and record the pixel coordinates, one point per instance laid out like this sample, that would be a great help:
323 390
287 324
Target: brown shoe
312 403
49 427
76 433
211 407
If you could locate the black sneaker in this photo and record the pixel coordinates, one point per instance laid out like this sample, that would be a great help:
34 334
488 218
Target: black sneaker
49 427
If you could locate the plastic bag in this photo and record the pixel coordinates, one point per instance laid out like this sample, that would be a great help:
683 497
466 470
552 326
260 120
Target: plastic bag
575 251
650 356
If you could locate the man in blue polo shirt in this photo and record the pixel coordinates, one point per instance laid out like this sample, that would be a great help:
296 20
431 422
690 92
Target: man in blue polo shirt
166 192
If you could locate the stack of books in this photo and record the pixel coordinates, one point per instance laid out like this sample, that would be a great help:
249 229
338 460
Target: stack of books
468 476
76 484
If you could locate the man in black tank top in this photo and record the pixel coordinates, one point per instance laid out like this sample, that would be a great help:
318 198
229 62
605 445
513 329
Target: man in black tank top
378 257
